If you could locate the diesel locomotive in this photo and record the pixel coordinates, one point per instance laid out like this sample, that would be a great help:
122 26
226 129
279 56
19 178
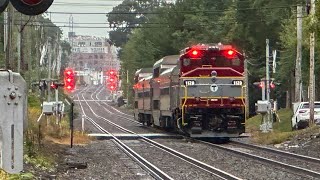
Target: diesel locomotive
199 92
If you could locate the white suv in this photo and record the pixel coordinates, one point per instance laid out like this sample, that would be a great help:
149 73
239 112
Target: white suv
301 115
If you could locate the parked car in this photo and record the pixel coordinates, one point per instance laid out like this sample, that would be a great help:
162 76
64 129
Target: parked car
300 119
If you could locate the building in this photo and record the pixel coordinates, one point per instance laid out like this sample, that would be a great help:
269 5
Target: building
92 53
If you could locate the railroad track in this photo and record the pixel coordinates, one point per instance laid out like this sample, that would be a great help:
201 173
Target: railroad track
233 147
304 162
309 168
153 170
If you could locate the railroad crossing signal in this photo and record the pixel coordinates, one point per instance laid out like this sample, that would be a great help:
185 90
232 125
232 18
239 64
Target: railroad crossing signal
69 80
31 7
261 84
112 80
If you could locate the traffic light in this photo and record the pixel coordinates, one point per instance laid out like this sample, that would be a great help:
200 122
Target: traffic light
69 79
31 7
3 5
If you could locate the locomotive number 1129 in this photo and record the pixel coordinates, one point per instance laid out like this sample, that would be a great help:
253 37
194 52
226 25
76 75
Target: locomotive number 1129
189 82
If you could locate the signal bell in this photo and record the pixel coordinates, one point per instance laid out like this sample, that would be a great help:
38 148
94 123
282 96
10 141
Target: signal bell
31 7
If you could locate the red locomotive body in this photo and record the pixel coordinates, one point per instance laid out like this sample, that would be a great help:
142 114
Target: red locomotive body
202 94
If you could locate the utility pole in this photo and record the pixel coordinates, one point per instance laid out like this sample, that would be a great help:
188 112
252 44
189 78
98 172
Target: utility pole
8 37
49 69
267 85
297 93
127 87
267 71
311 80
19 45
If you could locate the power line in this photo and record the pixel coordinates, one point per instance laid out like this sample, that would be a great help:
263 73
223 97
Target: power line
177 12
143 27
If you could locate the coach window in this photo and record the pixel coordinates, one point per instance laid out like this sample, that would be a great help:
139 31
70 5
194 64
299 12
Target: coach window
164 91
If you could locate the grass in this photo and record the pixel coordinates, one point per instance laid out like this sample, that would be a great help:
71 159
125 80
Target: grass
21 176
281 130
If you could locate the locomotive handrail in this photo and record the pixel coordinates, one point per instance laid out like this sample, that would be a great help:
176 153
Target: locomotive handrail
202 68
244 104
183 105
214 83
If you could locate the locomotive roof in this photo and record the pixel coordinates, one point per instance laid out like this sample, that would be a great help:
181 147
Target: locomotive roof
143 70
170 71
167 60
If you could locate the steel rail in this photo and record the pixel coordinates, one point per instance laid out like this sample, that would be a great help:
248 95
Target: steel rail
266 160
217 172
279 152
146 165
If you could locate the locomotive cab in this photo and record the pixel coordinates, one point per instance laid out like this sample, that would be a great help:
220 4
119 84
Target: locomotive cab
212 90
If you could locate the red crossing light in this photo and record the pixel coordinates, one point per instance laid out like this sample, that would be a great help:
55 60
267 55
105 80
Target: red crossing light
32 2
261 85
272 85
54 86
69 79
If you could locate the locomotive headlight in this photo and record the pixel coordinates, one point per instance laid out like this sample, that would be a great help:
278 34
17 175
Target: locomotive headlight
186 62
214 74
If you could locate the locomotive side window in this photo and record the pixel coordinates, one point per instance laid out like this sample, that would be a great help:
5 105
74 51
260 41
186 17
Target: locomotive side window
156 72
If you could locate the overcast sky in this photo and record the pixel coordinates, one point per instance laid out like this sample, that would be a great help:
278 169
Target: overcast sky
82 6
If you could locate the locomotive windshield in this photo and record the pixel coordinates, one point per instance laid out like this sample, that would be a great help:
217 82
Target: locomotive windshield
221 61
